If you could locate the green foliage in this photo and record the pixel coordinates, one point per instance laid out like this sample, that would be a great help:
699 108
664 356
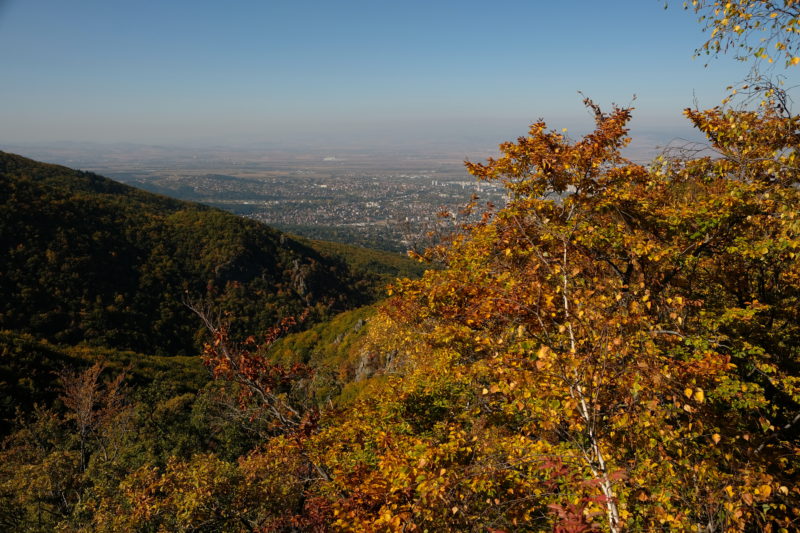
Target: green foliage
84 258
614 350
385 266
26 374
28 371
335 349
374 239
60 461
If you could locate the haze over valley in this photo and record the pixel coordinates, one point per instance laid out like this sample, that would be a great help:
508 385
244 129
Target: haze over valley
358 266
376 198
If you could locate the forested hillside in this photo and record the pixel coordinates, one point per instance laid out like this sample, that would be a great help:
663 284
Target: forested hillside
615 349
86 259
95 278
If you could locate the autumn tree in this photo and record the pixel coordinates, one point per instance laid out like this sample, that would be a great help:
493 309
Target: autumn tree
61 458
92 405
752 29
613 350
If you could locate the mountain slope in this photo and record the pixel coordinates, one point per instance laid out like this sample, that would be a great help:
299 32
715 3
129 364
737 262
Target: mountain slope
84 258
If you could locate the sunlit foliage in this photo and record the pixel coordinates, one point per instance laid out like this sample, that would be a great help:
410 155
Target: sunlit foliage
752 29
614 350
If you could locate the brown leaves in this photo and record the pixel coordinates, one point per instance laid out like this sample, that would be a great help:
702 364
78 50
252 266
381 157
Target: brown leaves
93 405
261 381
610 295
613 348
546 161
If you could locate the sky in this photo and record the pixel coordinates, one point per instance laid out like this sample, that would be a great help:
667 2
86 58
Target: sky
350 73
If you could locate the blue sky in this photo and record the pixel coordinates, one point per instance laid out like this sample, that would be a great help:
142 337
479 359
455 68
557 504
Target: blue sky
344 72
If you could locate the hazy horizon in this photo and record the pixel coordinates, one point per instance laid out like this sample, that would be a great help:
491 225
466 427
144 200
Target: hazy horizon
352 75
88 154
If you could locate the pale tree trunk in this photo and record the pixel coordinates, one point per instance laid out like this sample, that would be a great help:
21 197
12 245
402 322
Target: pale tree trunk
594 455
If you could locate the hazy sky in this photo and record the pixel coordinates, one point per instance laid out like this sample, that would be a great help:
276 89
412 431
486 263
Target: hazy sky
406 71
